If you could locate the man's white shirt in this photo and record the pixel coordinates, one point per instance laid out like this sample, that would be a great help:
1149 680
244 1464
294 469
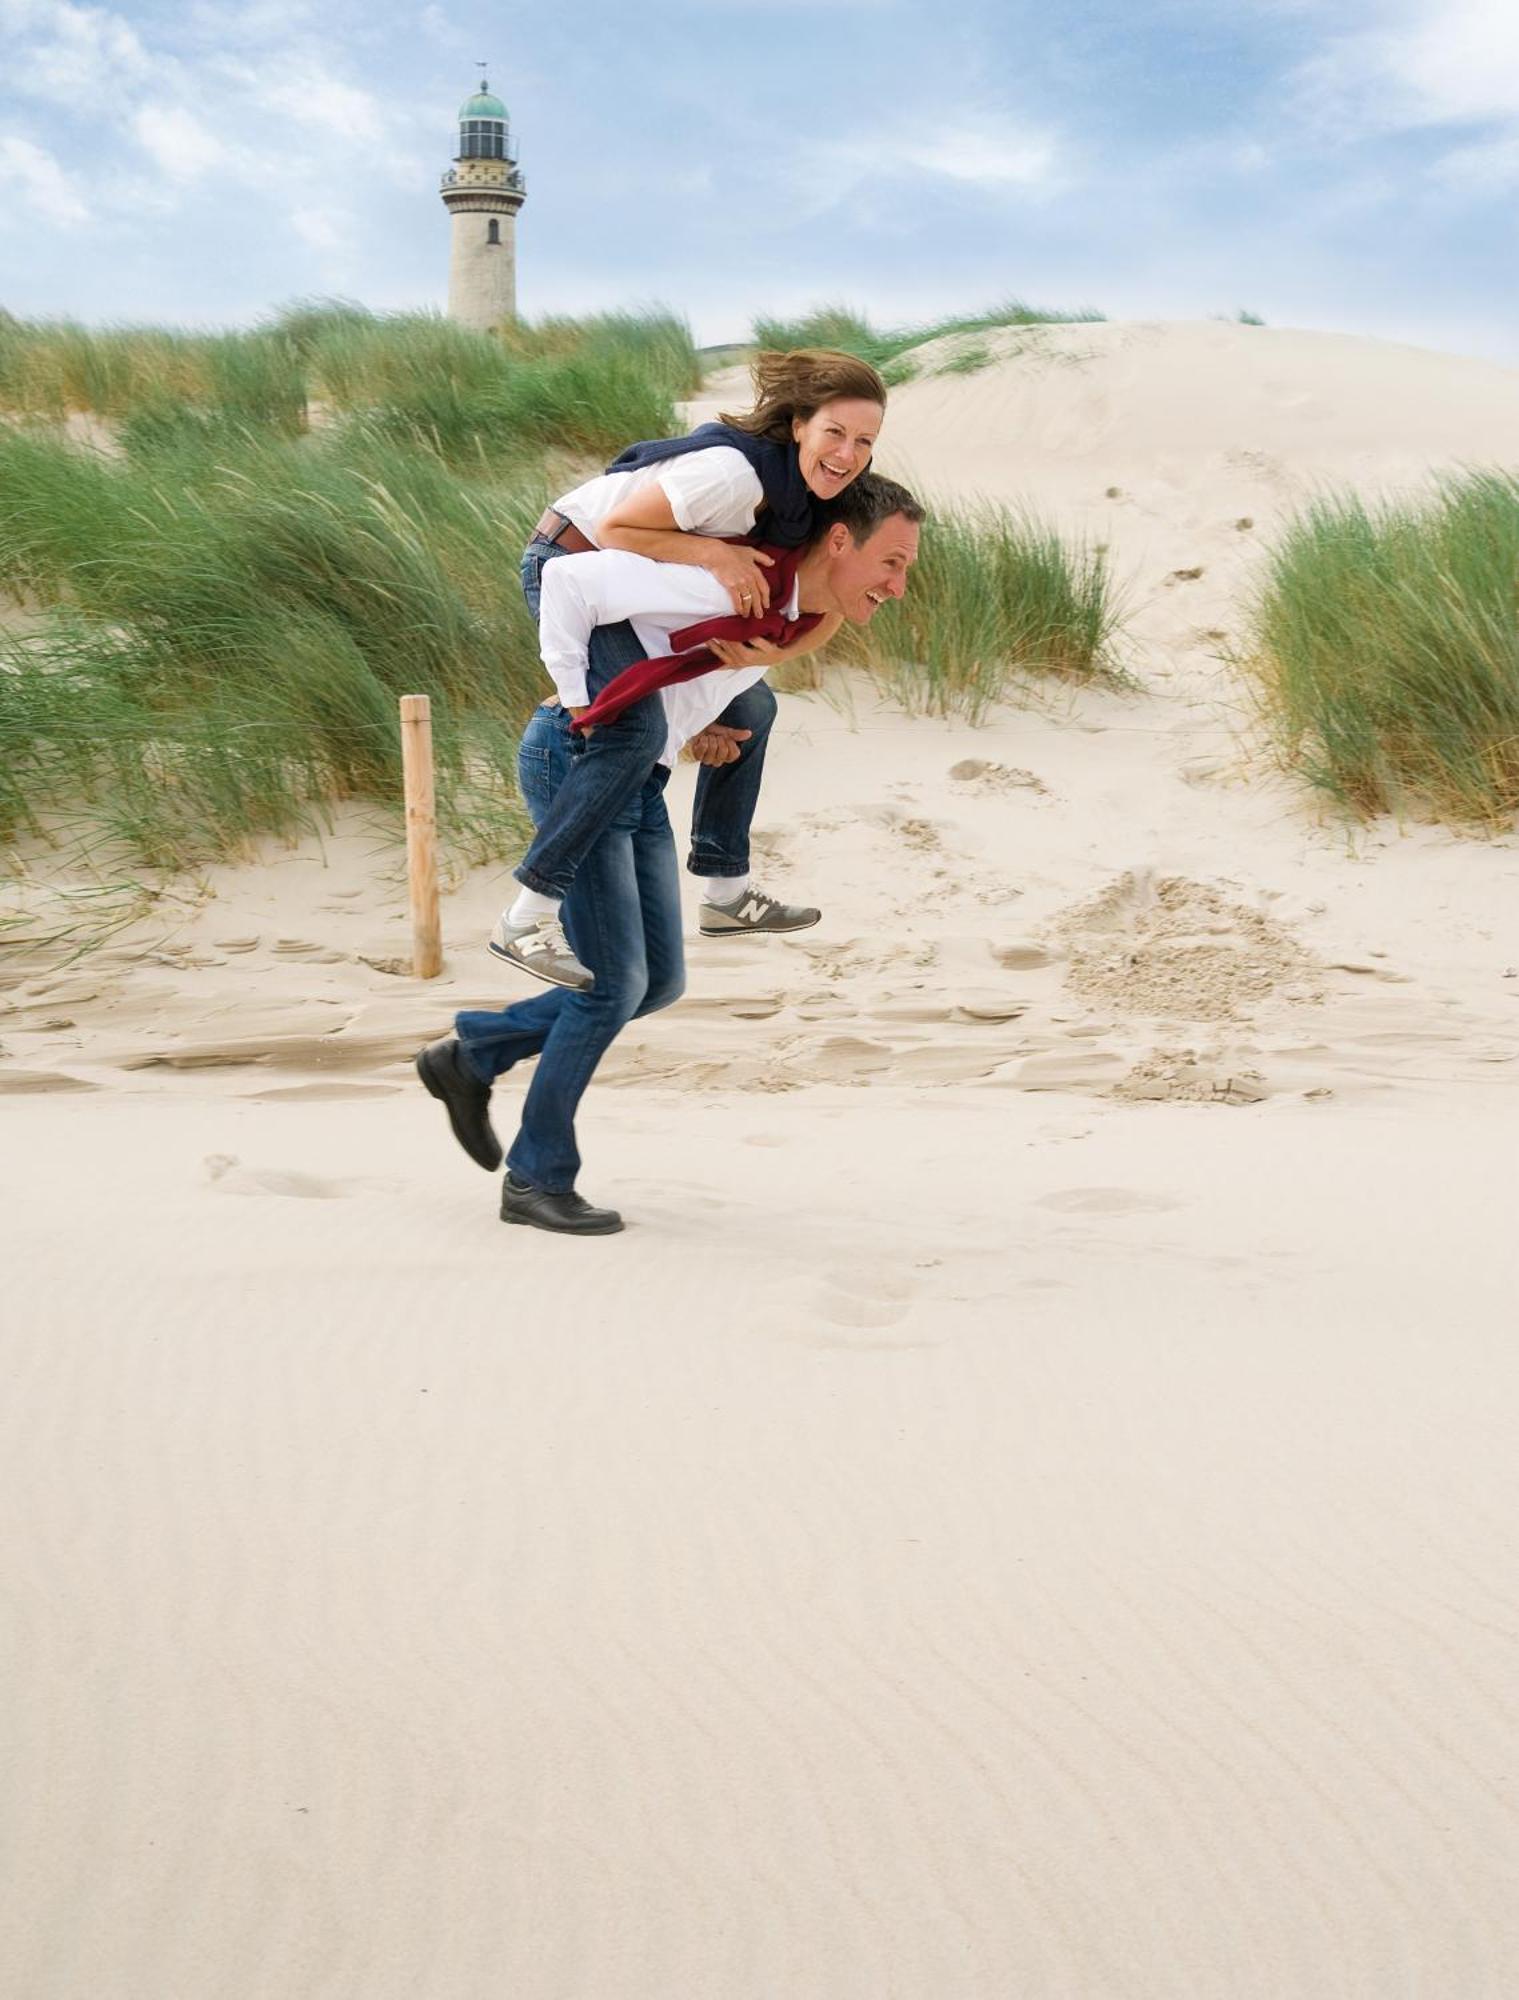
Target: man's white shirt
578 593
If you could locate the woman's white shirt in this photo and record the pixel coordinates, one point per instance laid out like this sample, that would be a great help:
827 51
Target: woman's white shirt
580 592
715 491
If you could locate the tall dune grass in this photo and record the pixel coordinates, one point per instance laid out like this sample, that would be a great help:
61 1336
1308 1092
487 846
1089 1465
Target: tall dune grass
232 627
994 597
50 368
1385 649
842 327
585 385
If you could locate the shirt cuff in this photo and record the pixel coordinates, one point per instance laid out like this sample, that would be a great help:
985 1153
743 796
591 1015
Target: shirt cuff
569 680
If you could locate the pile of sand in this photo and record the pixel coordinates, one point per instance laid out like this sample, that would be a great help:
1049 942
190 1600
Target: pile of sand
1184 1076
1168 946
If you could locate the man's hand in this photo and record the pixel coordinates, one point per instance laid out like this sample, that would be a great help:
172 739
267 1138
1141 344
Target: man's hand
718 744
741 572
746 652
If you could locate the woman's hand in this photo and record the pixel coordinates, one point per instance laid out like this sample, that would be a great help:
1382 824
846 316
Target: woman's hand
741 572
645 525
746 652
765 652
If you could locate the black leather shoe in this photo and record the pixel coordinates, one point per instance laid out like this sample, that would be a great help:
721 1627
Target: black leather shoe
465 1098
571 1214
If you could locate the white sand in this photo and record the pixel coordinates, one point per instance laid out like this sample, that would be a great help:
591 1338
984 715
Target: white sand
985 1529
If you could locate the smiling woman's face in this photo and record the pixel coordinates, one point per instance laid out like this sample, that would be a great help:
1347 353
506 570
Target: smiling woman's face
834 444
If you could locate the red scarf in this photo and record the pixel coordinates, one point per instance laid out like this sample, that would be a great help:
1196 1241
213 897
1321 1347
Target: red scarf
691 655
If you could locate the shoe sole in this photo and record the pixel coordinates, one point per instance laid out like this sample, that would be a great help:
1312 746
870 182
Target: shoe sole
506 958
760 930
554 1229
435 1090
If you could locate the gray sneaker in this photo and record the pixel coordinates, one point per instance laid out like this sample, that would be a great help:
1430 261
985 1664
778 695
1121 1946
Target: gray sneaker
755 912
542 949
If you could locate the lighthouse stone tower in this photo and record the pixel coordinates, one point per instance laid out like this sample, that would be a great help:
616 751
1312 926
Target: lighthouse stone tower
482 192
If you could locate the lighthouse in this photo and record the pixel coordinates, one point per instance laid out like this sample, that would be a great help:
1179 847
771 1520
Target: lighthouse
482 192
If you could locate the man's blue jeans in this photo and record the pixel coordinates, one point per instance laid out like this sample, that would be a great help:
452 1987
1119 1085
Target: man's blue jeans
613 763
623 919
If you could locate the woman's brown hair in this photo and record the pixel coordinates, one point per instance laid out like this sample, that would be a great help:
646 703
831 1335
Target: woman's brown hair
796 384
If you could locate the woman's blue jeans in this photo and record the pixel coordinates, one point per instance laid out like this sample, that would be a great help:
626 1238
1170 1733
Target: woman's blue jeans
613 763
623 919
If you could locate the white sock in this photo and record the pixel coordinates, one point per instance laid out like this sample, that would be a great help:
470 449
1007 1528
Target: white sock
529 906
723 889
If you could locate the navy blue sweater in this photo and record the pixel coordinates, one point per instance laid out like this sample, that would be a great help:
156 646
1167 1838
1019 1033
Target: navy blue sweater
787 518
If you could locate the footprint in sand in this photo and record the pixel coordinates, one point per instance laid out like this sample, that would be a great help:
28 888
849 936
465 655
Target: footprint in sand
1021 957
1104 1201
986 775
228 1176
304 950
919 834
320 1093
847 1307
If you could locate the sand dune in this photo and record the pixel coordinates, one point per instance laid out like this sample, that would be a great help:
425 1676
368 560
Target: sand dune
1027 1507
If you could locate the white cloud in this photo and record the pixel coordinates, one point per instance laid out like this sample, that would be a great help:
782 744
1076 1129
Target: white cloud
41 182
312 96
74 54
255 91
247 22
1421 63
991 153
988 157
322 228
1488 169
176 140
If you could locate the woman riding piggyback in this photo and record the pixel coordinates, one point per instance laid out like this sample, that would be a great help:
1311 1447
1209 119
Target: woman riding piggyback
761 474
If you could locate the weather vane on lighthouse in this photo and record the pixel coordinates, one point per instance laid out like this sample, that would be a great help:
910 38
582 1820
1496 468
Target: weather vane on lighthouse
482 192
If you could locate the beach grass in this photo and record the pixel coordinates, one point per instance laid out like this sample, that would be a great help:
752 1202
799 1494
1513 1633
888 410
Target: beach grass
888 348
580 385
54 368
1384 648
233 619
996 597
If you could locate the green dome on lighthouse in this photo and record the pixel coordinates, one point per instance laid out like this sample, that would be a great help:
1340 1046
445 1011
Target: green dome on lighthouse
482 105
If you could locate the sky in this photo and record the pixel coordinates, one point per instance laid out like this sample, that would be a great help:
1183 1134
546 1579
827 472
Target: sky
1324 164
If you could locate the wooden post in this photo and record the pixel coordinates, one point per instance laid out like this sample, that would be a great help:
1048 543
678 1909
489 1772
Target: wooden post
421 836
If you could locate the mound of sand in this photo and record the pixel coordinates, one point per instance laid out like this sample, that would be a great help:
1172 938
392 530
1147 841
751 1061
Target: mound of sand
1181 949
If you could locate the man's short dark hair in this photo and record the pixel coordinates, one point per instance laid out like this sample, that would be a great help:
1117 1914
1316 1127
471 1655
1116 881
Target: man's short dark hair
868 501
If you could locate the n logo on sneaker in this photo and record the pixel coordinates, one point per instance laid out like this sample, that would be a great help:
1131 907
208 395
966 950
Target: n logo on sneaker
752 911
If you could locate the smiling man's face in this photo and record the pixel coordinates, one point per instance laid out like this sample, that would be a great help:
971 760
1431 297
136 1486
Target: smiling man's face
861 578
